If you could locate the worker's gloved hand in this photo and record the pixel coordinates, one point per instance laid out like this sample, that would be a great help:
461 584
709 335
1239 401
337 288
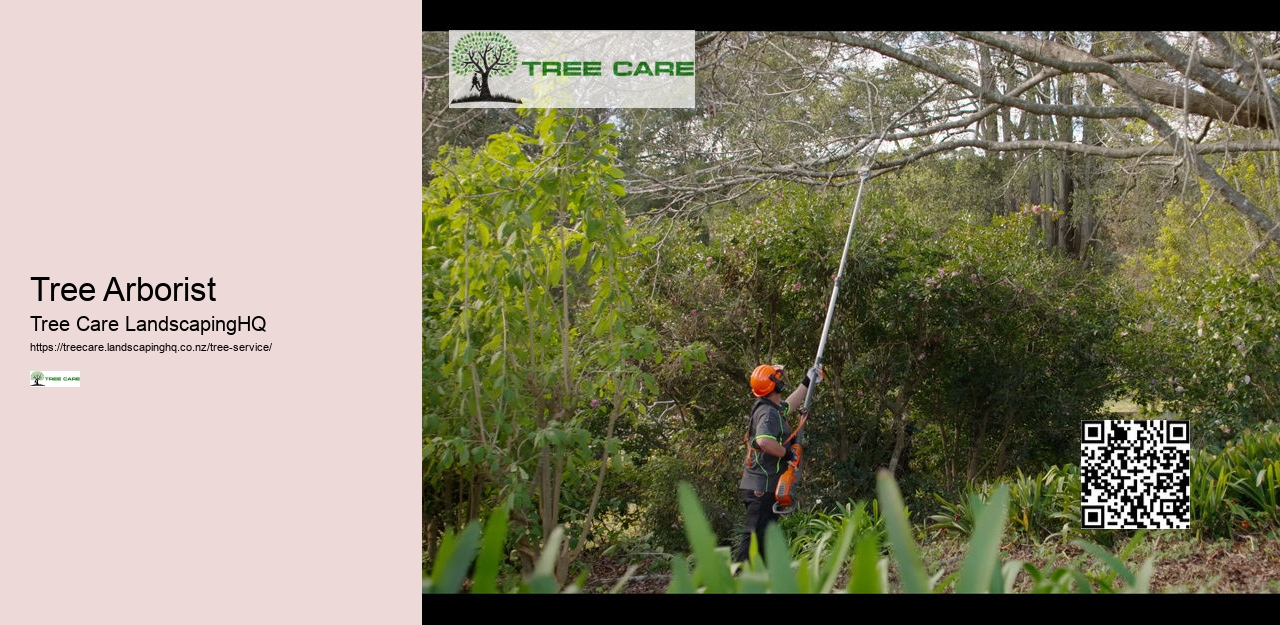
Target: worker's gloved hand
790 455
813 377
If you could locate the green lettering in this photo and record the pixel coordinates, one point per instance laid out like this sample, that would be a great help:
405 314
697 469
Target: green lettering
530 65
551 68
664 68
591 68
642 69
684 68
617 71
573 68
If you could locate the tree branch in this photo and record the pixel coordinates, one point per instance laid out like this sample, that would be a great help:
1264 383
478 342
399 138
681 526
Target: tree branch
1144 88
1247 102
956 79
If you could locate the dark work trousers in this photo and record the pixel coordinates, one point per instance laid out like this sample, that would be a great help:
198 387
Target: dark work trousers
759 515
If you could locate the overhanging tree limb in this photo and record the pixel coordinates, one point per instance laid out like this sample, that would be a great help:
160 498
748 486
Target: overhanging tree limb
958 105
938 70
1069 59
1144 88
1250 103
1250 71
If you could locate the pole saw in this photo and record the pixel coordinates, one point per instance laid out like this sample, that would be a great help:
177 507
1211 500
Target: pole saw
785 500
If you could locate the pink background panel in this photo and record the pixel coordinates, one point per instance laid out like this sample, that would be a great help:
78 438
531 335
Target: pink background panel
272 146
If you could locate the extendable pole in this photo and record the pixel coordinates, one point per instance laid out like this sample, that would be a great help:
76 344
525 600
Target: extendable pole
792 474
835 291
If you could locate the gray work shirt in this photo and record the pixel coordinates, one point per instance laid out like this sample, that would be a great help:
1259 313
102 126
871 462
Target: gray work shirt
762 470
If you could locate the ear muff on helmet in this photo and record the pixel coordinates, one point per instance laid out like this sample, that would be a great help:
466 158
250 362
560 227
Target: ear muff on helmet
779 384
767 378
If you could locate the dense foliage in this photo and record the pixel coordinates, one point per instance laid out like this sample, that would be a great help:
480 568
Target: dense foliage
848 557
1037 244
525 343
580 361
956 353
1232 493
852 549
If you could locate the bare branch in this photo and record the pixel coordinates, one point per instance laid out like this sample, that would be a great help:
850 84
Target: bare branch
1248 103
1207 61
954 78
1251 72
1146 88
1259 145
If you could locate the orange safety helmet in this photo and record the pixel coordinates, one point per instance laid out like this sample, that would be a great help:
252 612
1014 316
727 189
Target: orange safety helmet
765 379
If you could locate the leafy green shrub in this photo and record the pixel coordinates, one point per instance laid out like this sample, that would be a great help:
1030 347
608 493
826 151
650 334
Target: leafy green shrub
712 476
991 348
1235 491
813 530
529 359
1041 505
1238 490
958 517
1203 325
1041 501
477 552
1205 348
817 571
479 549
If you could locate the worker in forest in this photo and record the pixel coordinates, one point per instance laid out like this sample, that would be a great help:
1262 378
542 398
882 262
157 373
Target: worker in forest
767 456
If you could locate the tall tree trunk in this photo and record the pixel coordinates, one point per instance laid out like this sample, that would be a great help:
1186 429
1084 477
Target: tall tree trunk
473 507
1065 229
1092 135
546 506
1046 219
899 428
949 435
1002 453
988 129
1064 226
450 503
429 543
975 451
899 441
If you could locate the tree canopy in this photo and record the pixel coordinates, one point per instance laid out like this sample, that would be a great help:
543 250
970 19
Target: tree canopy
813 107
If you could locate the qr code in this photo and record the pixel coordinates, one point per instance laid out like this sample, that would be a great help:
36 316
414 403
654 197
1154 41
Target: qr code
1135 474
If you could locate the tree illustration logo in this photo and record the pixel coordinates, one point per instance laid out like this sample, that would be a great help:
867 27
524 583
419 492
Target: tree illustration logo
481 55
36 376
